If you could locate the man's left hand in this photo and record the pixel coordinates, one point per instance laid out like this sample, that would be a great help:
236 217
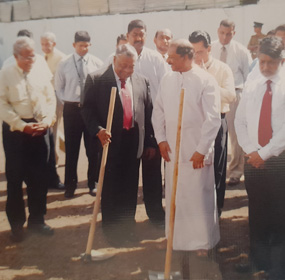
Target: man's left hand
40 129
255 160
149 153
198 160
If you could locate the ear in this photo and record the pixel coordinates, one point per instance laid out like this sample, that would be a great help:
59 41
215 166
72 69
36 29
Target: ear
114 60
74 44
209 48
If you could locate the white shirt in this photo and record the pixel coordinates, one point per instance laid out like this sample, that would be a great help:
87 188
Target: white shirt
224 77
67 81
238 58
17 95
151 65
248 113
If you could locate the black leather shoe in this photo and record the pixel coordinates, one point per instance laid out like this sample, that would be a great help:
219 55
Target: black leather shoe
43 229
17 234
60 186
93 192
69 193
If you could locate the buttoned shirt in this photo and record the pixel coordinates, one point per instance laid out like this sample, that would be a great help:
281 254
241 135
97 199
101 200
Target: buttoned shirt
128 85
224 77
238 59
53 59
16 97
67 80
151 65
248 113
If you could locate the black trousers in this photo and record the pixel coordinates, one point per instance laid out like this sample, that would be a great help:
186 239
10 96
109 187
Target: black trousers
74 128
266 194
119 195
26 161
152 187
220 161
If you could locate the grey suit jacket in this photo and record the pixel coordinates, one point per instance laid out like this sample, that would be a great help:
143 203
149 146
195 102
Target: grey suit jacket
95 105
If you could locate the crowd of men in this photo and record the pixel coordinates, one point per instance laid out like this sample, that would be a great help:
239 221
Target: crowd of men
221 98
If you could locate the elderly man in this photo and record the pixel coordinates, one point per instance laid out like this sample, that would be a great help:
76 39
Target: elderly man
162 40
69 83
196 223
260 126
151 65
131 133
27 108
53 57
239 60
201 42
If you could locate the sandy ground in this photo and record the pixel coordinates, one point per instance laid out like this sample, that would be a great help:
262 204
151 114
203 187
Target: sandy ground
58 257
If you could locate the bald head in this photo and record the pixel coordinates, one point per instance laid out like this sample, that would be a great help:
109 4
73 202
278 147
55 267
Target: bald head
162 39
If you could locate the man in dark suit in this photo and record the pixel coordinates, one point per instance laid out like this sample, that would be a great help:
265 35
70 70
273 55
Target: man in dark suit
131 132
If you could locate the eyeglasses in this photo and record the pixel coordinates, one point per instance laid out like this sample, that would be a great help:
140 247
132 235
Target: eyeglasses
28 58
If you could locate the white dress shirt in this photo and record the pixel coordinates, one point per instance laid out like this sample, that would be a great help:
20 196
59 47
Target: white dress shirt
224 77
21 93
151 65
238 58
67 81
248 113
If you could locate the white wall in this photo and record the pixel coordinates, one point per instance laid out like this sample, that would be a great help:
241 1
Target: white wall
105 29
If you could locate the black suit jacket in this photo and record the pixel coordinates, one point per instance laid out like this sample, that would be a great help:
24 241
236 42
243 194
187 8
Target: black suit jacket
95 105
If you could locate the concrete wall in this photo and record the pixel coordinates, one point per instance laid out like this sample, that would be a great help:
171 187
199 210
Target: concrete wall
105 28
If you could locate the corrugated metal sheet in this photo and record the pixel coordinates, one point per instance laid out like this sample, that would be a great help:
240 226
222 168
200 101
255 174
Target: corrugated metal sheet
93 7
126 6
21 10
5 12
40 9
158 5
64 8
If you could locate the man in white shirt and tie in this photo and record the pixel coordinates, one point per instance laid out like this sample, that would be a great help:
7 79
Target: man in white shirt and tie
239 59
69 83
260 127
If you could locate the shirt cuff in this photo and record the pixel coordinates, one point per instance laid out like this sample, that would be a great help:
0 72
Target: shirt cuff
265 153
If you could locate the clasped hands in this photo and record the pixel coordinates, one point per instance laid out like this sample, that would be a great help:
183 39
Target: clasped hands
36 129
197 158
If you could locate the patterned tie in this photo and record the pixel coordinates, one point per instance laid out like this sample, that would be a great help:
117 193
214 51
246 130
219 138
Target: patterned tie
127 106
223 56
264 128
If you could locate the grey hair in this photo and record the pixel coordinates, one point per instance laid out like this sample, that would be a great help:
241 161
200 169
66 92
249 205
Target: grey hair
127 50
23 43
49 36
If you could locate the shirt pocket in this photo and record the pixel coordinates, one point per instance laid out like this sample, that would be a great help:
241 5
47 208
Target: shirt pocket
17 94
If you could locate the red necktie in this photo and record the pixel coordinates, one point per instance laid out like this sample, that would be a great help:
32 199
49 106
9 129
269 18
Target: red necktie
127 106
264 128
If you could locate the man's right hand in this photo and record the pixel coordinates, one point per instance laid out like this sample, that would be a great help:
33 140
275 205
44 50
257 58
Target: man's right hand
164 150
104 137
31 128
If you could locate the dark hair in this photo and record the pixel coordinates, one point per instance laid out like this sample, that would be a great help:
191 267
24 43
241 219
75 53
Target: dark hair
228 23
271 46
81 36
280 28
200 36
183 47
137 23
25 33
121 37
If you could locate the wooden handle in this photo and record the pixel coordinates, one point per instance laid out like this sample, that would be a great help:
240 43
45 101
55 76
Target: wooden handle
168 257
101 175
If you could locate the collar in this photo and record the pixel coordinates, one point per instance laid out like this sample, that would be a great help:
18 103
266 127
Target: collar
209 62
77 57
275 79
